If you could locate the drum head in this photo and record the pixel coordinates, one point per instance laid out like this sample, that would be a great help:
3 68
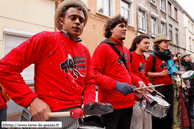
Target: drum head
187 74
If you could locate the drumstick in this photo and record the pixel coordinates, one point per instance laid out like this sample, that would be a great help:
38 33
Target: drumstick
74 113
148 87
159 93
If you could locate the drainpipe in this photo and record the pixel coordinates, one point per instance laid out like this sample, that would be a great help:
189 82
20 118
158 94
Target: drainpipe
166 18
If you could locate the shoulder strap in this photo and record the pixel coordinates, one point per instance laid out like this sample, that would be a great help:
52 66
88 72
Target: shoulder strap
131 57
154 60
118 53
144 56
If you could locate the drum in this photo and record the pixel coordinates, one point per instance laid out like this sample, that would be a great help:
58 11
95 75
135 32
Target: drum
188 75
159 110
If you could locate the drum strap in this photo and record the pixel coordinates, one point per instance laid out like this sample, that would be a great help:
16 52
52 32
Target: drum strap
118 53
154 60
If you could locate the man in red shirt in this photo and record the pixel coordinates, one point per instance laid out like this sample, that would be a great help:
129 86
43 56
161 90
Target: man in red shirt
113 75
140 44
64 77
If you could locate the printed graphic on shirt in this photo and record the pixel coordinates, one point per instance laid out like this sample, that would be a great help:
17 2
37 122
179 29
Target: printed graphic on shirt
119 61
70 64
141 68
164 65
126 57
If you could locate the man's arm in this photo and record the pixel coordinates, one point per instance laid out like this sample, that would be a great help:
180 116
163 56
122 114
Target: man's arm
10 68
98 62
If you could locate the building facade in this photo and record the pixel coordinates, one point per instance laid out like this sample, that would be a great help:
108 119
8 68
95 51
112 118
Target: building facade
189 33
161 16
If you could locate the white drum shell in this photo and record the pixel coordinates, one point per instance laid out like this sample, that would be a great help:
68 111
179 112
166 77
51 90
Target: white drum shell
159 110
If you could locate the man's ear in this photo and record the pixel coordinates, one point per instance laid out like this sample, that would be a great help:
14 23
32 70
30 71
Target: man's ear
61 20
111 30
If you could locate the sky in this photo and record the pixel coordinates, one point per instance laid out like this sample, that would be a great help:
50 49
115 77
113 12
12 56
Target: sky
188 6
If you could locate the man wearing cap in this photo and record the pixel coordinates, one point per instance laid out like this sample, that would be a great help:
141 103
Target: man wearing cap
63 75
162 74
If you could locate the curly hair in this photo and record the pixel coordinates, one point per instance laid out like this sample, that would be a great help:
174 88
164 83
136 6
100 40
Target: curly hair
136 40
112 23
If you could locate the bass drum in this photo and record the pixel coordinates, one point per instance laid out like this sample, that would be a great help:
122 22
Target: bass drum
159 110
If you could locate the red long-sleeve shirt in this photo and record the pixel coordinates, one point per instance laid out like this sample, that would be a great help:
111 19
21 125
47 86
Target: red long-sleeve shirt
108 69
138 66
63 74
160 65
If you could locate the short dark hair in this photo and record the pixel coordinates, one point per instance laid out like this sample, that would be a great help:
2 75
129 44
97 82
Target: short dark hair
136 40
73 6
112 23
177 54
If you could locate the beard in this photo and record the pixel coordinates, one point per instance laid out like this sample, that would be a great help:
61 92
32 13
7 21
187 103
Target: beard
123 38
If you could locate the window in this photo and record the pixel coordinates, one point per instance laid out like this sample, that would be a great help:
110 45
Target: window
142 20
153 24
193 43
163 5
163 27
175 14
104 7
126 11
189 43
177 35
169 9
170 32
153 2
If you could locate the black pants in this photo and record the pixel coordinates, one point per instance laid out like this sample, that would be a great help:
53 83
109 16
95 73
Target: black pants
3 115
119 119
166 122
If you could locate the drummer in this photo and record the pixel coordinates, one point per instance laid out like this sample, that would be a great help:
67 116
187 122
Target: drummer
140 44
58 85
160 75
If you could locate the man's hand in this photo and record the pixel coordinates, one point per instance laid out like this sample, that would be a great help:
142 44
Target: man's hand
163 73
39 110
142 84
123 88
97 108
150 84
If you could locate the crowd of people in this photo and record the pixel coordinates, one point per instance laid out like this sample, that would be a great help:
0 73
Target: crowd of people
66 75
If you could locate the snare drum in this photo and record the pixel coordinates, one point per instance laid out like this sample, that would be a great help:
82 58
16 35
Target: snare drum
159 110
188 75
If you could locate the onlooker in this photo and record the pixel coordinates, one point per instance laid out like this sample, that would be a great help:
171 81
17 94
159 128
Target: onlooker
186 65
113 76
140 44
